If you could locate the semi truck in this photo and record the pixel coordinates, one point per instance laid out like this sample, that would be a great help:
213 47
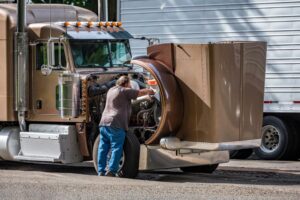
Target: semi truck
275 21
58 62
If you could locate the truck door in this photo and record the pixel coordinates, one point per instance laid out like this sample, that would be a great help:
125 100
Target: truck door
44 83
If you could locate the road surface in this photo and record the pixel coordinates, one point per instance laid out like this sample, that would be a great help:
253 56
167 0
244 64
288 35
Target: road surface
261 180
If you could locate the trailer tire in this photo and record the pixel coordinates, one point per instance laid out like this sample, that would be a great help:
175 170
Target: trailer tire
278 140
240 154
131 155
200 169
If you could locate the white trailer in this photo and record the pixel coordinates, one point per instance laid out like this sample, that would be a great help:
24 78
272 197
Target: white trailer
274 21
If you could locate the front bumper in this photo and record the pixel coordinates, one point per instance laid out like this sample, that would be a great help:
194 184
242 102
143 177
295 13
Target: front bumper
154 157
173 143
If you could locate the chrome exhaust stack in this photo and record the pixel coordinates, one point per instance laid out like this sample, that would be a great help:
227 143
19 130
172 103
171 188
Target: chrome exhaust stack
21 66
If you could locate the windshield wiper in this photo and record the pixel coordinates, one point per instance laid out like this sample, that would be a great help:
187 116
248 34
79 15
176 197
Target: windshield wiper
129 66
93 66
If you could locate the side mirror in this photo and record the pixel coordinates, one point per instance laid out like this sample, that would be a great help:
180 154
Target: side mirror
54 56
50 54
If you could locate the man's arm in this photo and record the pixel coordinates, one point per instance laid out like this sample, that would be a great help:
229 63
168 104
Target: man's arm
143 92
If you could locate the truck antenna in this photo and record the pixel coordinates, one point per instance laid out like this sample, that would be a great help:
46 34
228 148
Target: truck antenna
50 19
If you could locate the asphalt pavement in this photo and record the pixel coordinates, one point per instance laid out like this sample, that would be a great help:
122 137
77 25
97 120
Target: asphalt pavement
247 179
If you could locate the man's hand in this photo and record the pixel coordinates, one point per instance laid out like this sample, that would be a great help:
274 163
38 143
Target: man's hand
144 92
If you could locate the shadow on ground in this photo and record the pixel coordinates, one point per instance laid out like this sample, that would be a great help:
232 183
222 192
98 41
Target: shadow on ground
230 176
46 167
225 176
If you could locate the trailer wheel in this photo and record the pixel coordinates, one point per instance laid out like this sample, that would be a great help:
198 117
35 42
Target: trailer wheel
200 169
129 163
240 154
278 140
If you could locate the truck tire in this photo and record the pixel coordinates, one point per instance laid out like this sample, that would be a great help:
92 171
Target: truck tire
240 154
200 169
278 140
129 163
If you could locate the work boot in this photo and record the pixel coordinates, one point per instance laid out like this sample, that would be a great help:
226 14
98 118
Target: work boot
110 174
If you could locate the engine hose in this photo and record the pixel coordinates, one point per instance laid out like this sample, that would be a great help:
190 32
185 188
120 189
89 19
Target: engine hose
150 110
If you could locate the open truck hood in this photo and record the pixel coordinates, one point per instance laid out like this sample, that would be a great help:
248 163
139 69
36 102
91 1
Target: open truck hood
212 93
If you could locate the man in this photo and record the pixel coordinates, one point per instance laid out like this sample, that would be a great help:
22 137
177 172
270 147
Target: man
114 123
133 82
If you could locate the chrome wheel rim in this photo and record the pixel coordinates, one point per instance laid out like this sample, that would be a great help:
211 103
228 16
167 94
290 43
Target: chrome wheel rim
270 139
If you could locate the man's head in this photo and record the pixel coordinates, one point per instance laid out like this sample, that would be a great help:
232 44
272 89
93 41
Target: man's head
124 81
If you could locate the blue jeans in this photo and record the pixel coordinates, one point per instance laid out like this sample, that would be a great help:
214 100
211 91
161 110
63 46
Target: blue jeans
110 138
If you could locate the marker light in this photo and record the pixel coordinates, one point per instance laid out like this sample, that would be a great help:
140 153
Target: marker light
90 24
114 24
152 82
66 24
101 24
78 24
119 24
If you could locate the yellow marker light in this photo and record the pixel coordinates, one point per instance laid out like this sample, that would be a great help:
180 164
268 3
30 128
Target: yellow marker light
66 24
107 24
101 24
90 24
119 24
114 24
78 24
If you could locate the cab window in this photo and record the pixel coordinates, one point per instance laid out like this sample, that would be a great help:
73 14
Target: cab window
41 55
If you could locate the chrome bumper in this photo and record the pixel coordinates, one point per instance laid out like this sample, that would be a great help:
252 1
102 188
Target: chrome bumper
173 143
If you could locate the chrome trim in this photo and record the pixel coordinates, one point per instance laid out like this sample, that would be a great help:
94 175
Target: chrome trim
21 75
173 143
21 65
154 157
9 142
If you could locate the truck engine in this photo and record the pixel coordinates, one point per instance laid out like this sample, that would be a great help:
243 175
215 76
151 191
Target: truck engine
146 110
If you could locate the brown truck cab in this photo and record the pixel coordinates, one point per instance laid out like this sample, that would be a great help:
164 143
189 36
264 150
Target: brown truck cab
209 97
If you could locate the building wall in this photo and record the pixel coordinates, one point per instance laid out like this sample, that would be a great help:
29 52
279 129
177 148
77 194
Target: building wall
198 21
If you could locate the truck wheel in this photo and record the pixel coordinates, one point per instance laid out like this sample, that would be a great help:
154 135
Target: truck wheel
129 163
278 140
201 169
240 154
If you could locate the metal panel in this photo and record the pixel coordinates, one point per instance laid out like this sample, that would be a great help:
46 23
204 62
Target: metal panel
221 85
153 157
99 35
201 21
44 142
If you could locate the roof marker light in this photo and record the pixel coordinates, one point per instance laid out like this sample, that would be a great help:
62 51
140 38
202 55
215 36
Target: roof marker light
114 24
90 24
101 24
119 24
66 24
78 24
108 24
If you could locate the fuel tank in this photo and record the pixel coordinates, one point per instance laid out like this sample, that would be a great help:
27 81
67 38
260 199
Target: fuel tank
210 92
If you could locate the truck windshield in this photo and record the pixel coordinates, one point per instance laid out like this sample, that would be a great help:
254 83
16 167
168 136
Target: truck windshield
99 54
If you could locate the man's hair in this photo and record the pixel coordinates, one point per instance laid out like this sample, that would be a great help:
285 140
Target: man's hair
123 80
